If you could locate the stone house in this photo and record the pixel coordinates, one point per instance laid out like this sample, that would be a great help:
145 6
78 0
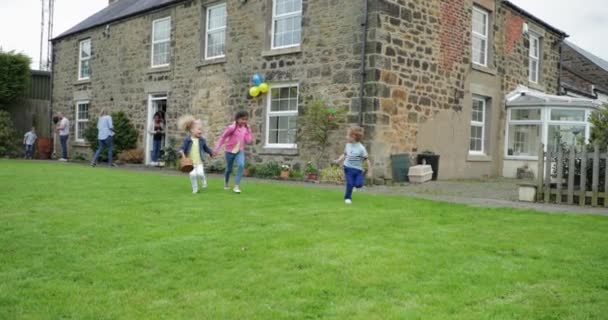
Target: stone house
584 74
419 75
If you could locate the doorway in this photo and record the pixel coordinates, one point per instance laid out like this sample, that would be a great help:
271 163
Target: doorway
157 103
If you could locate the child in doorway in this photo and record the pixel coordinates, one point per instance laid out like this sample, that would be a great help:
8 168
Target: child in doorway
353 156
235 137
28 141
194 147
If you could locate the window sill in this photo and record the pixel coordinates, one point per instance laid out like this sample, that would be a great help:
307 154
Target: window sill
536 86
283 51
521 158
478 158
82 144
280 151
210 62
486 70
82 82
159 69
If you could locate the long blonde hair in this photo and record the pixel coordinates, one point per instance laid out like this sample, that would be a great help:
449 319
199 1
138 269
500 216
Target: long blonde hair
186 122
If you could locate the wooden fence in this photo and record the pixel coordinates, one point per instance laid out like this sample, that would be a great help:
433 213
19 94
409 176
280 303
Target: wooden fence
573 177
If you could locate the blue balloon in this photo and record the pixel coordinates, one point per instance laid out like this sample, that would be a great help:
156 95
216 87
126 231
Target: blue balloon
257 79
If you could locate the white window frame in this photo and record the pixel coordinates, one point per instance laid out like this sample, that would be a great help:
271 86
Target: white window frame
78 120
481 36
275 18
160 41
536 58
209 31
81 59
279 113
481 124
539 123
550 122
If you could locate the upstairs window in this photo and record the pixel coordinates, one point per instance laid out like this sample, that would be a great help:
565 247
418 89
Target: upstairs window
161 42
84 59
286 23
480 36
534 58
215 43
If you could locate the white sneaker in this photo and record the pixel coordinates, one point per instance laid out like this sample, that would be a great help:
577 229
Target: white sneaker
236 190
194 191
226 188
63 160
348 201
205 185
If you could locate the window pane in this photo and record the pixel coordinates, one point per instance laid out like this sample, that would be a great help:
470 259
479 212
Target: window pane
82 126
287 6
566 135
216 44
524 140
217 17
567 115
162 30
479 22
287 31
83 112
478 106
85 49
525 114
161 53
479 50
84 69
533 70
476 138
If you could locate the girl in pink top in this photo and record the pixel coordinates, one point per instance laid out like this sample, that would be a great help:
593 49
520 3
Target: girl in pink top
235 137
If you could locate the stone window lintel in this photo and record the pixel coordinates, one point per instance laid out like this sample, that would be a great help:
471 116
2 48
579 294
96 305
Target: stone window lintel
489 70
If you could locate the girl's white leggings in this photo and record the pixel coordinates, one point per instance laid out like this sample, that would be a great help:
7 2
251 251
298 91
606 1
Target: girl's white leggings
198 173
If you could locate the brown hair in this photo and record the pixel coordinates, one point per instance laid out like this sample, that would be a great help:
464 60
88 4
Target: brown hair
356 133
241 115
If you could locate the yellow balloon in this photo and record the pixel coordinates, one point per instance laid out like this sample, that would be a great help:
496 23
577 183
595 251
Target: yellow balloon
263 87
254 91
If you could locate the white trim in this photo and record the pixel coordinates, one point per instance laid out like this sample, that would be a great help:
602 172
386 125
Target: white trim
151 98
276 17
81 59
485 37
532 57
479 124
210 31
159 41
279 113
78 120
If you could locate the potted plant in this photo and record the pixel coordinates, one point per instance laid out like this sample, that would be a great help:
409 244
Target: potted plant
312 174
285 171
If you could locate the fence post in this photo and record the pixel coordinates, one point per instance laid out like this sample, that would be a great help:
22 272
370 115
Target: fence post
571 175
595 177
560 173
548 177
540 171
582 195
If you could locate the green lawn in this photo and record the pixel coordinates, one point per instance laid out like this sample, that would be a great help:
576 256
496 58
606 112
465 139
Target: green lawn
95 243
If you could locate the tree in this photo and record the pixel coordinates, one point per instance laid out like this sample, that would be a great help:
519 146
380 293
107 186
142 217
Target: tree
14 76
317 124
125 134
599 130
8 135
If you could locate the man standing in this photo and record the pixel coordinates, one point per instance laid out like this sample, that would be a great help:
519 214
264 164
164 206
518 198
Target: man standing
105 129
63 128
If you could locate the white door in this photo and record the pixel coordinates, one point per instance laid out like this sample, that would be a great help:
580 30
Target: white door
156 103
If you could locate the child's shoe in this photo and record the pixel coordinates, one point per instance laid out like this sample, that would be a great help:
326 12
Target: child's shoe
236 190
348 201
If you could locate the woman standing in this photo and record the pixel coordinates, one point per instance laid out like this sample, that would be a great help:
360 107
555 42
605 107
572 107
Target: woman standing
157 130
105 129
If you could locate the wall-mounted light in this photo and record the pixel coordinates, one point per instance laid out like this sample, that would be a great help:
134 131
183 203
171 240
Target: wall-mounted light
525 30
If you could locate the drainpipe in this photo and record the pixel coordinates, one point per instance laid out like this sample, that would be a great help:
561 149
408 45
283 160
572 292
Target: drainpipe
561 63
51 88
363 56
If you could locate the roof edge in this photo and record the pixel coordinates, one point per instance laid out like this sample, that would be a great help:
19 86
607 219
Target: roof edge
535 18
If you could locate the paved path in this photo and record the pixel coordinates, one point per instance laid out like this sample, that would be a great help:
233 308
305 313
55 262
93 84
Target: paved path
494 193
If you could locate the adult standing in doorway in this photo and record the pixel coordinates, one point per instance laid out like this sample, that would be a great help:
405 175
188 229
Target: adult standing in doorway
63 128
105 129
157 130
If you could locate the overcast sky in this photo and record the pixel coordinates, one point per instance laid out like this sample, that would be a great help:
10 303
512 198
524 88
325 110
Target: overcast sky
586 21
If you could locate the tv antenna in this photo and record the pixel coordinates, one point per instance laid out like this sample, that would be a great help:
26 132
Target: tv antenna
46 29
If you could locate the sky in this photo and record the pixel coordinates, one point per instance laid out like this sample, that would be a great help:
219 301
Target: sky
585 22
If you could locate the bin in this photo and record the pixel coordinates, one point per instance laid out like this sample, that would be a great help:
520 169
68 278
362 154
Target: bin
432 160
401 165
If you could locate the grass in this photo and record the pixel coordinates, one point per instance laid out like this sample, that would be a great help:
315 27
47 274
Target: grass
94 243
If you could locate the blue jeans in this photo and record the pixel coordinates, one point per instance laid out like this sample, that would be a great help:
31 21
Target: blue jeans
64 145
155 150
29 150
354 179
240 162
100 145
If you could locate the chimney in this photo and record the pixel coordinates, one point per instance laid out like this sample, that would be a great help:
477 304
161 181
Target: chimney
111 2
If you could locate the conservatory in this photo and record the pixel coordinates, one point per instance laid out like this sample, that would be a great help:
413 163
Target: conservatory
533 118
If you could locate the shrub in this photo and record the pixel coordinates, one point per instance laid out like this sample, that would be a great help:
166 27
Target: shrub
125 135
599 128
135 156
332 174
8 135
269 169
169 156
317 124
14 76
296 174
310 168
217 166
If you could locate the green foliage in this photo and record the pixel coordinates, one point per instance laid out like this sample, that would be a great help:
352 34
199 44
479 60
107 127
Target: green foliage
218 165
268 169
125 134
8 136
317 124
310 168
14 76
296 174
170 155
332 174
599 130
